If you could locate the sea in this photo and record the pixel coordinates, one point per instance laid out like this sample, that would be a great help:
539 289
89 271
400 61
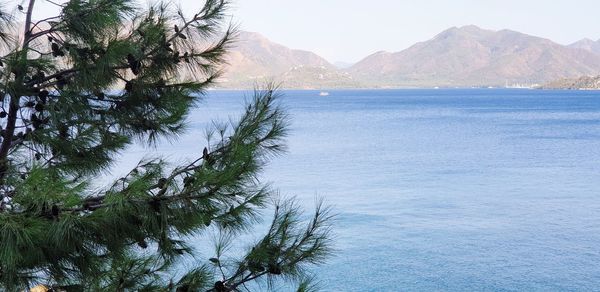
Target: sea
437 190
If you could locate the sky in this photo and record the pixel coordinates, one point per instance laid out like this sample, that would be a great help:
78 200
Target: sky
349 30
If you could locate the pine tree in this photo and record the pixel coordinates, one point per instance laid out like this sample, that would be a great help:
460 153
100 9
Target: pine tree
78 89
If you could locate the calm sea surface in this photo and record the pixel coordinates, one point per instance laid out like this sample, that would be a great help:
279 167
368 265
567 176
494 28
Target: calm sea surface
458 190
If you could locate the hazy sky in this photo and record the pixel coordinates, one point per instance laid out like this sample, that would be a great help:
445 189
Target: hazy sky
348 30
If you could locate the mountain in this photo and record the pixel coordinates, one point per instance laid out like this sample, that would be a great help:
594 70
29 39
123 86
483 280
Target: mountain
255 59
588 45
462 57
581 83
471 56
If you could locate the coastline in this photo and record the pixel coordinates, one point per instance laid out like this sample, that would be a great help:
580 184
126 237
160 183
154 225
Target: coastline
405 88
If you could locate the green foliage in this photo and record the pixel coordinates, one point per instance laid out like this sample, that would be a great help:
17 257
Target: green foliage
78 88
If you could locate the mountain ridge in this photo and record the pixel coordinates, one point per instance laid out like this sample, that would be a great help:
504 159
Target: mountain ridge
470 56
587 44
255 60
456 57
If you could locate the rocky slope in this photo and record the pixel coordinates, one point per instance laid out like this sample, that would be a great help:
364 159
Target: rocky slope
581 83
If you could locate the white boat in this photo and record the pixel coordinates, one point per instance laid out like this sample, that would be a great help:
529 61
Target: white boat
323 93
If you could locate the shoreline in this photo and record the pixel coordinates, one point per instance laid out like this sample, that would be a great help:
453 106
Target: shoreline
410 88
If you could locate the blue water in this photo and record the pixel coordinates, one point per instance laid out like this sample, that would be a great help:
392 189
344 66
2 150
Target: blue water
457 190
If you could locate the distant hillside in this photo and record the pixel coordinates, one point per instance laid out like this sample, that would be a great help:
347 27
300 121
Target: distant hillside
462 57
255 59
582 83
471 56
588 45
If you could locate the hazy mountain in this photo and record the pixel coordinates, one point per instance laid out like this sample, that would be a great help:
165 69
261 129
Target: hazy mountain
588 45
255 59
471 56
465 56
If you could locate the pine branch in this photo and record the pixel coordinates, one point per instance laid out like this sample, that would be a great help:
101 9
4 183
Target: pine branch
63 122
